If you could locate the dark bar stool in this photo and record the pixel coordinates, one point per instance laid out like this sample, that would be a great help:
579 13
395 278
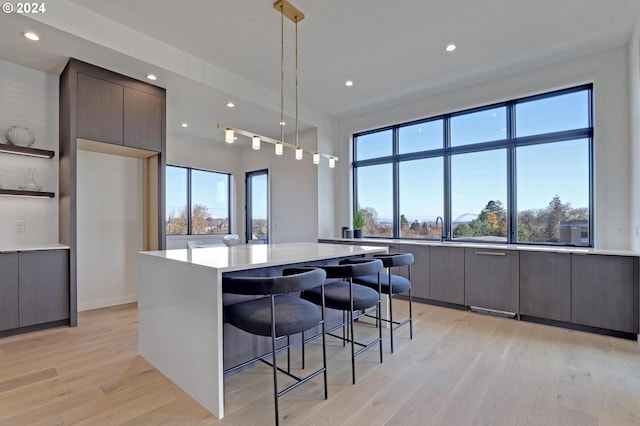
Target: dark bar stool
344 295
392 284
278 315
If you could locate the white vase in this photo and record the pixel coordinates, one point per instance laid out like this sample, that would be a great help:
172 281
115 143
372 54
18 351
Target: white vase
20 136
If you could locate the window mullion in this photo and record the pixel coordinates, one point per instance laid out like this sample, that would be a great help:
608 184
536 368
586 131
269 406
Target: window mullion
446 223
396 184
189 201
512 207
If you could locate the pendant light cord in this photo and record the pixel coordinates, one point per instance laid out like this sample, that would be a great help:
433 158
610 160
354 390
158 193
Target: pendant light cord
282 72
296 82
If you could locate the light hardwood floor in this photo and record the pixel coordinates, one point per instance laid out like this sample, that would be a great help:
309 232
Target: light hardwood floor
461 368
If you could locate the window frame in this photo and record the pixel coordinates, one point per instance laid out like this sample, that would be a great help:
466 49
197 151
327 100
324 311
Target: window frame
511 142
189 199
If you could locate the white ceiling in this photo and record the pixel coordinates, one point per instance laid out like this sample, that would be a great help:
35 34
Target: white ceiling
393 51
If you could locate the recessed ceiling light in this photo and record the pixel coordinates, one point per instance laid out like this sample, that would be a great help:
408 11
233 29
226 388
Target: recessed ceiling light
184 125
151 77
450 47
230 104
31 36
348 83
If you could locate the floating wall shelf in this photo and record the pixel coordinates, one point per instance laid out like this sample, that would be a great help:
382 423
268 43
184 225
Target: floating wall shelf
20 150
21 193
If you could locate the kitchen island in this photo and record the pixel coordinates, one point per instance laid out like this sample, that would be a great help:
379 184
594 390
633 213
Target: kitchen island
180 314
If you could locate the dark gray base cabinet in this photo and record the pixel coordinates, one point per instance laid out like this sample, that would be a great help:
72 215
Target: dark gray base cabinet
604 292
545 285
44 286
491 279
34 288
419 270
9 293
446 275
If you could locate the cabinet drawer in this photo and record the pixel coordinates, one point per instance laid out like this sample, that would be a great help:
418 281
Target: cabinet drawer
491 279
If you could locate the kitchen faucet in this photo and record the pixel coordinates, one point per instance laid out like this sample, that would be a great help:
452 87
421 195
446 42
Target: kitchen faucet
439 218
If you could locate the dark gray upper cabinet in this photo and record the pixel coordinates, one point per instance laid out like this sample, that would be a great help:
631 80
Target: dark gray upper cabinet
143 120
604 292
545 285
446 275
114 109
491 279
9 293
44 286
100 110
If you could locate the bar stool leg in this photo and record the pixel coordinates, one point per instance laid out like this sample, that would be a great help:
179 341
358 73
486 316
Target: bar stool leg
410 317
410 311
390 295
303 350
379 319
273 355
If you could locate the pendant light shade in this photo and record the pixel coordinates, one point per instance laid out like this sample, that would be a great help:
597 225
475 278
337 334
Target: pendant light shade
255 142
332 162
316 158
298 153
228 135
278 148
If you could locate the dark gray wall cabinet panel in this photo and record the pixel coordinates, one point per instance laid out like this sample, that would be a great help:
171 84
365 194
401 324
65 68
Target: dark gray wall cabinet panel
142 120
491 279
446 275
44 286
9 294
545 285
604 292
100 110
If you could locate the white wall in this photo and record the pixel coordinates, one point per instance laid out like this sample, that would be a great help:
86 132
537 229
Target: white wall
293 186
110 228
608 71
29 99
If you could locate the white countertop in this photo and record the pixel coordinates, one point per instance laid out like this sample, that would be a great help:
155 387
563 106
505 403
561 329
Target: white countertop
31 247
250 256
520 247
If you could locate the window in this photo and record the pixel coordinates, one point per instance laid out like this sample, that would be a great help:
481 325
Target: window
257 206
376 199
517 172
197 201
421 203
478 194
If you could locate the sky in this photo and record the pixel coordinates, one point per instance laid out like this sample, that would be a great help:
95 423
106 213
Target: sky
543 171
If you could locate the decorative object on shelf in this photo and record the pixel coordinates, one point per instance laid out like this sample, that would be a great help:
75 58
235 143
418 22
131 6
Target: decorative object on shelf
231 240
20 136
295 15
358 224
347 232
31 184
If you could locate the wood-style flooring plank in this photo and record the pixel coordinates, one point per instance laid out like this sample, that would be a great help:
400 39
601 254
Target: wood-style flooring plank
461 368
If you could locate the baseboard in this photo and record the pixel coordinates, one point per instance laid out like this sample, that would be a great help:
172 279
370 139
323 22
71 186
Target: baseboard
106 303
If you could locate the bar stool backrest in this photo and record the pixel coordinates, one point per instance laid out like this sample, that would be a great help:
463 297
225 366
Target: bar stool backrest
350 270
397 259
306 279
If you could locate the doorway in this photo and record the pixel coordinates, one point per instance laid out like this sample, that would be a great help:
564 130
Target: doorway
257 207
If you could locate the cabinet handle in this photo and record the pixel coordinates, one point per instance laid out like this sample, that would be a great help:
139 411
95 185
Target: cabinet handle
491 253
